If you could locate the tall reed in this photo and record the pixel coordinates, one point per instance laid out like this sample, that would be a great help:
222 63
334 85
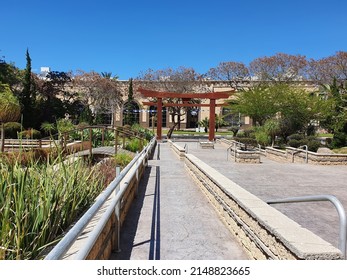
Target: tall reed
39 202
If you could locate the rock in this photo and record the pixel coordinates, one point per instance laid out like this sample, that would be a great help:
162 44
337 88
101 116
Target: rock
323 150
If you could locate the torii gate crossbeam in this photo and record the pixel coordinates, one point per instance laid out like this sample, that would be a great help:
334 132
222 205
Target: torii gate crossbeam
213 96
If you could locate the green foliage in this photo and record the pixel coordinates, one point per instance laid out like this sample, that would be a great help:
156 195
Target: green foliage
295 143
123 159
64 125
339 140
249 142
27 96
12 129
9 105
313 146
144 132
38 203
262 136
296 136
293 107
48 128
133 145
204 123
272 128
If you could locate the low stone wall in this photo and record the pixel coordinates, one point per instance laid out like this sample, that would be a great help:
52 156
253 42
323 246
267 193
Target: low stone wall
263 231
239 155
180 151
301 156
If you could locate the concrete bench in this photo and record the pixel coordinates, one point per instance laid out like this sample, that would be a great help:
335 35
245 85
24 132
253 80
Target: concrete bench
207 145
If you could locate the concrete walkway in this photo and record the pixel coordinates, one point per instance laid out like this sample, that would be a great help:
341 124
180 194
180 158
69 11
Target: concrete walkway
171 219
272 180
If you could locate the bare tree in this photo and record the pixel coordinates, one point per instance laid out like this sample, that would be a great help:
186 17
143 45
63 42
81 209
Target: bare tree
102 94
233 72
325 70
280 67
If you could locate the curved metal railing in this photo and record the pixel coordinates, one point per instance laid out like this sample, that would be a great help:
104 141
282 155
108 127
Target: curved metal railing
338 205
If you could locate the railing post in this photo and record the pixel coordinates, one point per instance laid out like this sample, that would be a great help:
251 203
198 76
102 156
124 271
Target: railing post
103 137
90 141
116 141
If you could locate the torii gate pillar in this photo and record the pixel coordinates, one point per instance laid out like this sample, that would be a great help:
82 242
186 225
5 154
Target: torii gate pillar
159 117
212 121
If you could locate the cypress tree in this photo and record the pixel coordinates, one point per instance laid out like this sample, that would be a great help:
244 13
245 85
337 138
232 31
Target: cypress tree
27 96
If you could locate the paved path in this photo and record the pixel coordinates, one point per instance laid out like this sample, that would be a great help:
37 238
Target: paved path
172 219
272 179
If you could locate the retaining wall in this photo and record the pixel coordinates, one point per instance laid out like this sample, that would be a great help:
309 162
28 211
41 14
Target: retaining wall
301 156
263 231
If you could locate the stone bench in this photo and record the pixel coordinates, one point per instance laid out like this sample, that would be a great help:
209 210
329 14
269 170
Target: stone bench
207 145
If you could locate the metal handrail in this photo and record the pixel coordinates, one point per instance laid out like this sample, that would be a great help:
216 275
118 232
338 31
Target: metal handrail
63 246
325 197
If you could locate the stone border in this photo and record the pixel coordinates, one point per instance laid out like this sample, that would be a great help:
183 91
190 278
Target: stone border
294 155
239 155
181 152
263 231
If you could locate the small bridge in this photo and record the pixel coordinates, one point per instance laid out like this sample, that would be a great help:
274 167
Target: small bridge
170 204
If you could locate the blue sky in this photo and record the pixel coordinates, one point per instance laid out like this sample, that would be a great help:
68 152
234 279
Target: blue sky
127 37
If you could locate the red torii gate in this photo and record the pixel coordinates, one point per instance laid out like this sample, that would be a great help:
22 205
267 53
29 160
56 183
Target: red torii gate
186 97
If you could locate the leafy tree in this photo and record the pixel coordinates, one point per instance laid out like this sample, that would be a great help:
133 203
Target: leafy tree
257 102
10 75
293 107
9 109
334 107
56 97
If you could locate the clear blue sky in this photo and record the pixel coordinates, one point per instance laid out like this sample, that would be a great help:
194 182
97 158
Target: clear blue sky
127 37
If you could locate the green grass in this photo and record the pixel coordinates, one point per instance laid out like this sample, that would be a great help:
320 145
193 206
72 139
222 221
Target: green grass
325 135
190 132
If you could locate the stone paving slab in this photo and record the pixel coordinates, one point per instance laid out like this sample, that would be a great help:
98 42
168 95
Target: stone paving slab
272 180
172 219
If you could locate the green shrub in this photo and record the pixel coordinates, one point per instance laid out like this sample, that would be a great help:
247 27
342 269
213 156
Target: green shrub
123 159
248 142
133 145
339 140
313 146
12 129
296 137
262 137
294 143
